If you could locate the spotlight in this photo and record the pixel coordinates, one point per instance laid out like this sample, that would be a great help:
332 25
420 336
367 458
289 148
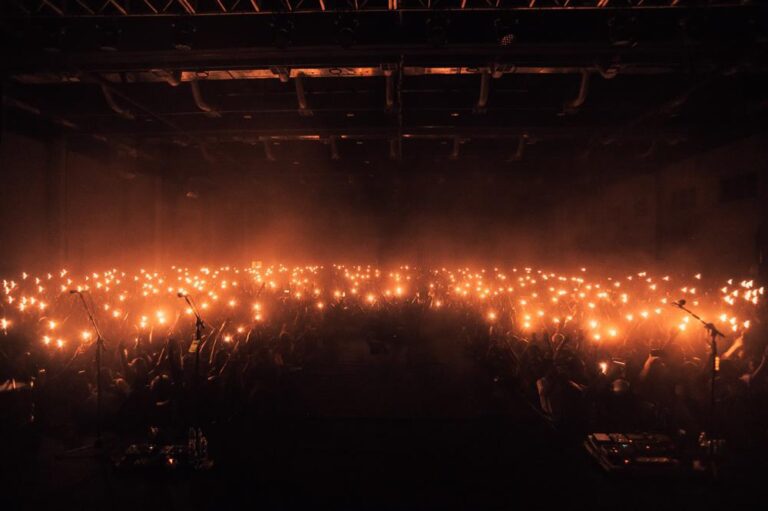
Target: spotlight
437 30
623 30
282 32
345 31
506 31
183 35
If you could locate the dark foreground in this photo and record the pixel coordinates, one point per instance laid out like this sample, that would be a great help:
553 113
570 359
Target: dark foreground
423 430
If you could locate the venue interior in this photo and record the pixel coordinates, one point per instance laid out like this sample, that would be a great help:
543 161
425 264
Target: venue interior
383 254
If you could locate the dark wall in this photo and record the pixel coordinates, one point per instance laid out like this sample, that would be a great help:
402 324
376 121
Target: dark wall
62 208
706 212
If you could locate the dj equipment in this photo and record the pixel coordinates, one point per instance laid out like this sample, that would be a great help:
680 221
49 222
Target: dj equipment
636 453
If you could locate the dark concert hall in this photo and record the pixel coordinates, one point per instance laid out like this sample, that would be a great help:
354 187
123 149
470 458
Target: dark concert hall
393 255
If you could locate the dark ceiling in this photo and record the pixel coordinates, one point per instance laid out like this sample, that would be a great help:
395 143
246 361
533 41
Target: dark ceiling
531 84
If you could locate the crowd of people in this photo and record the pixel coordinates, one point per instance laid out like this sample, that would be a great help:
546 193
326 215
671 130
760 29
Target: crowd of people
587 355
648 384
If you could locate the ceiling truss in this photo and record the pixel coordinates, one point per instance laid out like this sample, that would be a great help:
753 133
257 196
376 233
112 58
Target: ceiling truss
132 8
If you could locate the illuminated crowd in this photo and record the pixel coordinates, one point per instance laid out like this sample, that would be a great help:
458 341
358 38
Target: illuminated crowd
586 350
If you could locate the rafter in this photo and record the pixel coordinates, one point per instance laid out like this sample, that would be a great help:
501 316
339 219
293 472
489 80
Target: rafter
187 6
143 8
151 6
49 3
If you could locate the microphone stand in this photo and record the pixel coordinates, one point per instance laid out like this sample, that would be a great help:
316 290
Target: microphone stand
714 333
97 444
196 345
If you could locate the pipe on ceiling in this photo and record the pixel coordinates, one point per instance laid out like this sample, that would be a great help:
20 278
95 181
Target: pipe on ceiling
395 149
390 94
122 112
301 95
172 78
573 105
485 86
268 151
200 102
520 148
334 148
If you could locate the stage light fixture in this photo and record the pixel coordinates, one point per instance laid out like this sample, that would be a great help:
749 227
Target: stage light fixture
506 31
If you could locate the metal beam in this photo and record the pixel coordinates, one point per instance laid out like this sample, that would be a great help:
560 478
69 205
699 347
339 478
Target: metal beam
187 6
527 57
55 8
284 74
120 8
151 6
86 7
126 8
408 132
